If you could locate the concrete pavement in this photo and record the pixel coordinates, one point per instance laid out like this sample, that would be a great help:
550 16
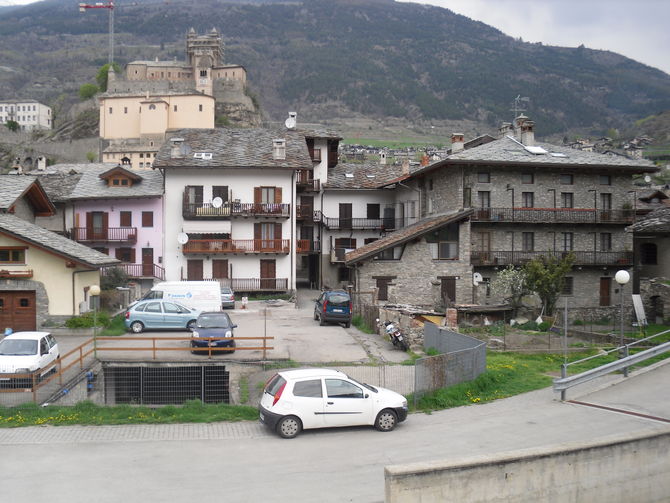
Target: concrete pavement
244 462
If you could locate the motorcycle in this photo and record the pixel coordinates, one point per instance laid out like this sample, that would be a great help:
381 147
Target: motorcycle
394 333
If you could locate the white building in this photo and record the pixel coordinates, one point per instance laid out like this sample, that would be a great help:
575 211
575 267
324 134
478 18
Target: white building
29 114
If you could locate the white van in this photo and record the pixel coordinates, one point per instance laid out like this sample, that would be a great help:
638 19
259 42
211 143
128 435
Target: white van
203 295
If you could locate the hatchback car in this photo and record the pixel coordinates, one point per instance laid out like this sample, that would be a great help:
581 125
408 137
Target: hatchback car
213 330
333 306
27 353
159 314
227 298
296 400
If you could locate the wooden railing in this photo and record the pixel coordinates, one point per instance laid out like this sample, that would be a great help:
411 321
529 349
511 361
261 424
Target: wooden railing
553 215
237 246
483 258
387 224
110 234
308 246
8 274
138 270
305 180
205 211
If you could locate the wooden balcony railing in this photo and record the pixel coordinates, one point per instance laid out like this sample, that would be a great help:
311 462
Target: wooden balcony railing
553 215
308 246
205 211
9 274
386 224
599 258
305 180
303 212
108 235
138 270
223 246
255 284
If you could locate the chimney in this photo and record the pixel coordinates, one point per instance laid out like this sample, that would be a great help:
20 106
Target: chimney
175 149
405 166
505 129
518 122
527 134
382 158
279 149
456 142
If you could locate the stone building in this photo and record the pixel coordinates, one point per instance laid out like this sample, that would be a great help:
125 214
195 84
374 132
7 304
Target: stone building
527 199
30 115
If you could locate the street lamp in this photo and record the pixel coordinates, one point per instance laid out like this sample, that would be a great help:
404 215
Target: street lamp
622 277
94 292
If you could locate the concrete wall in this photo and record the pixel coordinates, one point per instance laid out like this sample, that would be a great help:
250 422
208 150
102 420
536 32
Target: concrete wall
623 468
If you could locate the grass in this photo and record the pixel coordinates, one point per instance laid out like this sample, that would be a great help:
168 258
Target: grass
279 296
116 327
87 413
244 389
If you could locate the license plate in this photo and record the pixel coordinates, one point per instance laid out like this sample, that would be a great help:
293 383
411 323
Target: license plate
337 310
262 417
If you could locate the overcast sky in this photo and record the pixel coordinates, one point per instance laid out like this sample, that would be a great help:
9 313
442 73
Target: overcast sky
637 29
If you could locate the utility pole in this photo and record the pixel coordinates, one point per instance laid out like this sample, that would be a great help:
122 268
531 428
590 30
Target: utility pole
108 5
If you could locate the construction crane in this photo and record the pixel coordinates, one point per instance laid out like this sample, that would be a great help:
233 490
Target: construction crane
108 5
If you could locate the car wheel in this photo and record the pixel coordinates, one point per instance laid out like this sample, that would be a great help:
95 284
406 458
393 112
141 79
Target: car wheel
190 325
136 327
289 427
322 322
386 420
347 324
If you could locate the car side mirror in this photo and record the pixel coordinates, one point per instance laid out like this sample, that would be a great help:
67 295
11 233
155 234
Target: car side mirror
233 326
367 396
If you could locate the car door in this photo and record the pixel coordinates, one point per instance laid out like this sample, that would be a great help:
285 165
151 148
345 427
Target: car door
152 317
346 404
174 315
308 399
45 356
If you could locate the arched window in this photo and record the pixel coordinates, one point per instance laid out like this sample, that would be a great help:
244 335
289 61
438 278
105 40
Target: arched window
648 254
152 107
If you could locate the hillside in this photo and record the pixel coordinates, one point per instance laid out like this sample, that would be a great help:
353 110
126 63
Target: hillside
331 59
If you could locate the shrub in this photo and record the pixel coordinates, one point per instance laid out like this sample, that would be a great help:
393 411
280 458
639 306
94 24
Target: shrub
86 320
87 91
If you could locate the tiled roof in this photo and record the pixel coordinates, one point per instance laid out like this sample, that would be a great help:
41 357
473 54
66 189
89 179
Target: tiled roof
12 187
91 186
658 221
58 185
510 152
318 132
43 238
234 148
403 235
370 175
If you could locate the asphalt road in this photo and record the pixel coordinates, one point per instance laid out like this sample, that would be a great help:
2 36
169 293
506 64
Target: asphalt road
245 462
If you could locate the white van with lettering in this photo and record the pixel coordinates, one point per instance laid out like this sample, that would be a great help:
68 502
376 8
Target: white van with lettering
202 295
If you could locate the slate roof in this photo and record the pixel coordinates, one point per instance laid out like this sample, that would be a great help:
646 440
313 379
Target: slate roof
58 185
370 175
43 238
403 235
12 187
507 151
657 222
234 148
317 132
91 186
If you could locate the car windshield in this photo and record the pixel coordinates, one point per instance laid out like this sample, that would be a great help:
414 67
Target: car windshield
226 291
371 388
18 347
274 384
213 321
339 299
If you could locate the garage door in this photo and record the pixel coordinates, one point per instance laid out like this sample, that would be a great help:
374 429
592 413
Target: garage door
18 311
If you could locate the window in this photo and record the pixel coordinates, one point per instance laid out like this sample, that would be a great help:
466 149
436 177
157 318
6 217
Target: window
605 179
373 211
343 274
126 219
125 254
125 110
527 199
484 197
648 254
528 241
606 201
110 110
169 307
147 219
153 307
568 241
309 389
527 178
220 191
337 388
175 108
116 181
567 200
484 177
568 285
605 241
383 287
447 250
152 107
13 255
203 73
199 108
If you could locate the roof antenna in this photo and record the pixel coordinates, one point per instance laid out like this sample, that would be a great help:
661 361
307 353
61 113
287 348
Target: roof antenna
517 106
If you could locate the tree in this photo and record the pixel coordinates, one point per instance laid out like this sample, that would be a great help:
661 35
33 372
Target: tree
101 77
114 277
546 277
512 285
87 91
12 126
91 156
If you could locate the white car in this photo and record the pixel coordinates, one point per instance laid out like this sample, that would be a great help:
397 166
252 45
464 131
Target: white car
27 353
294 400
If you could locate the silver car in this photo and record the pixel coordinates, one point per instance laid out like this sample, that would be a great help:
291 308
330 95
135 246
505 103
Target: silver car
227 298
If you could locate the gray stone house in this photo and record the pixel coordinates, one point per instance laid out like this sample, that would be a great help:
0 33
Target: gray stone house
514 199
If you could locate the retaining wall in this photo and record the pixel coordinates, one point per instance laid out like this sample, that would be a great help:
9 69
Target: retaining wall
622 468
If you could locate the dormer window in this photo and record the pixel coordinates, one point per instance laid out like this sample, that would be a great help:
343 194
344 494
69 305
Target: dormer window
279 149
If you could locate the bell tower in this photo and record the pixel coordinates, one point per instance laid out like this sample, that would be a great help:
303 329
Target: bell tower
203 53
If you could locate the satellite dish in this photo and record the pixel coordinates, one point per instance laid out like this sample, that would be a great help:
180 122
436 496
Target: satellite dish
477 278
647 178
217 202
182 238
290 123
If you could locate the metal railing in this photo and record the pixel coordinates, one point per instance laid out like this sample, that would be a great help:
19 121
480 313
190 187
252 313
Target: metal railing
255 284
553 215
138 270
386 224
205 211
237 246
110 234
565 382
483 258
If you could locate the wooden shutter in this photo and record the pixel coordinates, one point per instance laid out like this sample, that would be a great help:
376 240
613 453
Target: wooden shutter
257 231
147 219
126 219
277 231
278 195
132 255
257 195
194 270
219 269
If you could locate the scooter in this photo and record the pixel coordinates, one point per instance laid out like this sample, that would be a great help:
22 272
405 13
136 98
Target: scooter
395 335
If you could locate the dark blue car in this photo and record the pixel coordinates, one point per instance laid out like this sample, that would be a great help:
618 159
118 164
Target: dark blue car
213 330
333 306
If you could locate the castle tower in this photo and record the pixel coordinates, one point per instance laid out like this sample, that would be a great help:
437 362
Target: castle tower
203 53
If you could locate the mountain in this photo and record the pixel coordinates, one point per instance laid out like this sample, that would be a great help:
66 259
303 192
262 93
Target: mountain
344 59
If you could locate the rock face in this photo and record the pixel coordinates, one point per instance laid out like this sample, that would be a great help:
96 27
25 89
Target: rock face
234 106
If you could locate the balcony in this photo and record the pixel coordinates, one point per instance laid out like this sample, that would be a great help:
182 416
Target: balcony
306 182
138 270
337 254
255 284
236 246
205 211
584 258
382 224
102 235
553 215
305 212
16 274
308 246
